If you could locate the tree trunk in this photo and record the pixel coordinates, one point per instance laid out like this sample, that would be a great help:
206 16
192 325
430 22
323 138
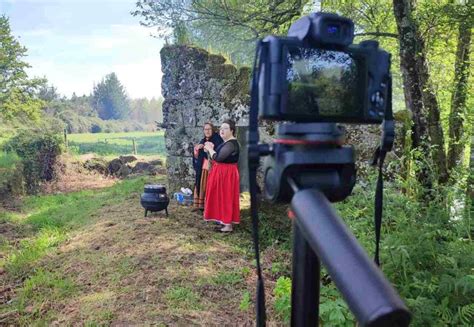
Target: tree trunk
427 133
434 125
459 96
471 171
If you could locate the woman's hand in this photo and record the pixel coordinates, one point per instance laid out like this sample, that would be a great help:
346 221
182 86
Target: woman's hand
208 146
197 147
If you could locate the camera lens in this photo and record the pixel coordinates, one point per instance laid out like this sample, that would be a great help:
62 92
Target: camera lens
332 29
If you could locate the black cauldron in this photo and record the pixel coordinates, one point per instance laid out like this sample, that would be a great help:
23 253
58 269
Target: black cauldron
155 198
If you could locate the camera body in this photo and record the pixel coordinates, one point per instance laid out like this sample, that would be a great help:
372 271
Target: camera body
316 74
309 81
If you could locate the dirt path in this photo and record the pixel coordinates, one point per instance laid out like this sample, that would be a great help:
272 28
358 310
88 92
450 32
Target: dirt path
133 270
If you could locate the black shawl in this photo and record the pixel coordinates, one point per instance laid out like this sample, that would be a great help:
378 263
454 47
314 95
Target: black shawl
197 163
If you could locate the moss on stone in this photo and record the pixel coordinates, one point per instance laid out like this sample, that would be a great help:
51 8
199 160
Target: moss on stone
178 53
402 116
216 59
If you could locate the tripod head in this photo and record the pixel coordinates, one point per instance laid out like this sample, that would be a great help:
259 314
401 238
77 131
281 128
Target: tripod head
314 156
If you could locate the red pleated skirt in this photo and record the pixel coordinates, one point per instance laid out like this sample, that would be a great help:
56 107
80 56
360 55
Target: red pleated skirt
223 194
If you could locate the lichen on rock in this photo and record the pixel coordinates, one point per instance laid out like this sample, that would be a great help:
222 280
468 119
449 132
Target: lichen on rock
198 87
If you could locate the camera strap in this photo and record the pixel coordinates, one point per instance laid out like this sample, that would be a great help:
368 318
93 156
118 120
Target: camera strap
379 158
254 161
388 138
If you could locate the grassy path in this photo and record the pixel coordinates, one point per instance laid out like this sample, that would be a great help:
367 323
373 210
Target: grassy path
111 266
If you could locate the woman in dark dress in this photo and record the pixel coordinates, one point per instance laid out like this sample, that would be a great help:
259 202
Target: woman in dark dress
201 164
223 186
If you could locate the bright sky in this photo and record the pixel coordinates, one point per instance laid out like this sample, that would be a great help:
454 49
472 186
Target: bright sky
74 43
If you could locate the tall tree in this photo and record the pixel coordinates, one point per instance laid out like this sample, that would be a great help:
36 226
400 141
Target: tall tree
109 98
427 133
459 110
427 54
17 91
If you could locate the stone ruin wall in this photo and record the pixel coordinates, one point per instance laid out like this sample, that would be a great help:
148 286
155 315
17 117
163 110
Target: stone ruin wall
198 87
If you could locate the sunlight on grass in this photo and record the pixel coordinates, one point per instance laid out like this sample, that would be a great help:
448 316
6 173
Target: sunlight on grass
11 217
147 143
53 216
245 200
21 260
203 272
95 137
98 297
42 287
182 298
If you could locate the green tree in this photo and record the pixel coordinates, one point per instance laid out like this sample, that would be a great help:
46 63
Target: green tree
109 98
431 38
230 27
146 111
17 91
459 99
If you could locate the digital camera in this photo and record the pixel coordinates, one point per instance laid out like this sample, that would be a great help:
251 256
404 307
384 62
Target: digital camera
316 74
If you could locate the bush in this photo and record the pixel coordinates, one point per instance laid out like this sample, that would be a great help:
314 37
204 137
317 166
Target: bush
282 292
426 252
38 151
75 123
11 176
96 128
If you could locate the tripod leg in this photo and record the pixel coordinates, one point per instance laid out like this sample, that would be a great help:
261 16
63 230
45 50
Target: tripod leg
305 282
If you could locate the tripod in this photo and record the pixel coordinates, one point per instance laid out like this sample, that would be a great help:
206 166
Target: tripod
309 166
321 236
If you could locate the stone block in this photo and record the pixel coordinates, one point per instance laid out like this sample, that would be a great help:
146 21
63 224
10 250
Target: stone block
180 112
180 172
180 141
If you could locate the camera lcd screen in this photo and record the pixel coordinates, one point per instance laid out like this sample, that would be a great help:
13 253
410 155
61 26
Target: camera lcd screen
324 84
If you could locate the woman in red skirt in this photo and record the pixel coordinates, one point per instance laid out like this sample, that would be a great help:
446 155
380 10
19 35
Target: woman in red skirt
223 186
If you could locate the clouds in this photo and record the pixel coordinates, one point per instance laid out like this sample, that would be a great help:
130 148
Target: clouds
76 45
43 32
143 78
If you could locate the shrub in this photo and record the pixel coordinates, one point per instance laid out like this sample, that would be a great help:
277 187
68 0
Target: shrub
282 294
425 251
11 176
38 151
75 123
96 128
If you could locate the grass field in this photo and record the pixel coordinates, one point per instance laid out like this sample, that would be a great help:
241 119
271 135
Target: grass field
90 258
107 144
